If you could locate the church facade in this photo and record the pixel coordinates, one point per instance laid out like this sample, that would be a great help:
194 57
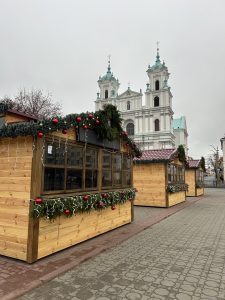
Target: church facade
150 125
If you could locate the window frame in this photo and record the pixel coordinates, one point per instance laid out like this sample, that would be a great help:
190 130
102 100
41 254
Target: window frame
67 167
175 173
199 176
99 168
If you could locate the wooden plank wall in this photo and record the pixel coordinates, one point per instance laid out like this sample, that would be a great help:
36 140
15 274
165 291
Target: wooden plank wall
149 180
199 191
190 180
175 198
15 183
12 118
65 232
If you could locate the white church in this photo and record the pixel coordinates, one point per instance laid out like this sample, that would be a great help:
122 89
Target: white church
151 125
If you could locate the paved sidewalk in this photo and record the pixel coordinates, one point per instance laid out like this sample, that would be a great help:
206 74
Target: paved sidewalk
181 258
17 277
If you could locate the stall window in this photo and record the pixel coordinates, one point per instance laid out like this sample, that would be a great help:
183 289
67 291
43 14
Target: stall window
127 162
117 170
106 169
74 167
70 167
54 173
91 168
175 173
199 176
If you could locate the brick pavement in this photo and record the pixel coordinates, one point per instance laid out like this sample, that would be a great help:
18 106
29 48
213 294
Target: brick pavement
17 277
181 258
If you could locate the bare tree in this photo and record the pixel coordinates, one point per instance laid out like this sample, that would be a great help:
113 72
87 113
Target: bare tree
34 103
215 162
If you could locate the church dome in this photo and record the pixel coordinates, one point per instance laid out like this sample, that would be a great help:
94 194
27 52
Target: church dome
158 65
108 76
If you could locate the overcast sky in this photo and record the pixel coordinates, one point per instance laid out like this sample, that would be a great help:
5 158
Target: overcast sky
61 46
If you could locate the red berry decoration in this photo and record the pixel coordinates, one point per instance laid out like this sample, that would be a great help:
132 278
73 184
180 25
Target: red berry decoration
38 201
64 131
55 121
113 207
67 212
40 134
97 122
78 119
85 198
85 126
100 204
104 195
90 116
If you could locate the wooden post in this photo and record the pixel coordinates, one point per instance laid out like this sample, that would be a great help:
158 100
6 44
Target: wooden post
36 180
166 183
195 183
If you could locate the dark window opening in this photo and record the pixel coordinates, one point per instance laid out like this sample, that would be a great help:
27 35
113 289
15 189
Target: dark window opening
157 125
156 101
157 85
130 129
128 105
106 94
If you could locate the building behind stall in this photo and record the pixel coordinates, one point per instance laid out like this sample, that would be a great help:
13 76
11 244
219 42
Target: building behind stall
150 125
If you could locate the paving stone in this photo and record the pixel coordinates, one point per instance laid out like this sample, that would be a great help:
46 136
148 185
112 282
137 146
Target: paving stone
180 258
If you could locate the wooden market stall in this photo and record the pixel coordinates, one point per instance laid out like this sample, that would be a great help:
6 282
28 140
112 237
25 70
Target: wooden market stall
159 177
194 177
63 181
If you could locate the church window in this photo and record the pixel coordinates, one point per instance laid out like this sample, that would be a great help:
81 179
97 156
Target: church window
106 94
156 101
128 105
130 129
157 85
112 93
157 125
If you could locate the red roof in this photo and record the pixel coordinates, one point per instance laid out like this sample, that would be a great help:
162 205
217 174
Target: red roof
194 163
156 155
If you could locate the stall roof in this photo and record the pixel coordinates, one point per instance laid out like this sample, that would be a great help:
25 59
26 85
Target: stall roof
157 155
194 163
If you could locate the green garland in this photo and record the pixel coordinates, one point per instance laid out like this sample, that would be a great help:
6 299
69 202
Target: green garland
72 205
106 123
177 187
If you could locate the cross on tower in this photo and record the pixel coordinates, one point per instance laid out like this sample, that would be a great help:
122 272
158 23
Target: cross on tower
157 45
109 57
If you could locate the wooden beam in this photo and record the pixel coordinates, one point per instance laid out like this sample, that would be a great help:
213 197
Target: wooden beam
36 181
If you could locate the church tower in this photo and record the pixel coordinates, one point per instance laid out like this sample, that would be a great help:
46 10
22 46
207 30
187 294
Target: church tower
158 98
150 125
108 86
